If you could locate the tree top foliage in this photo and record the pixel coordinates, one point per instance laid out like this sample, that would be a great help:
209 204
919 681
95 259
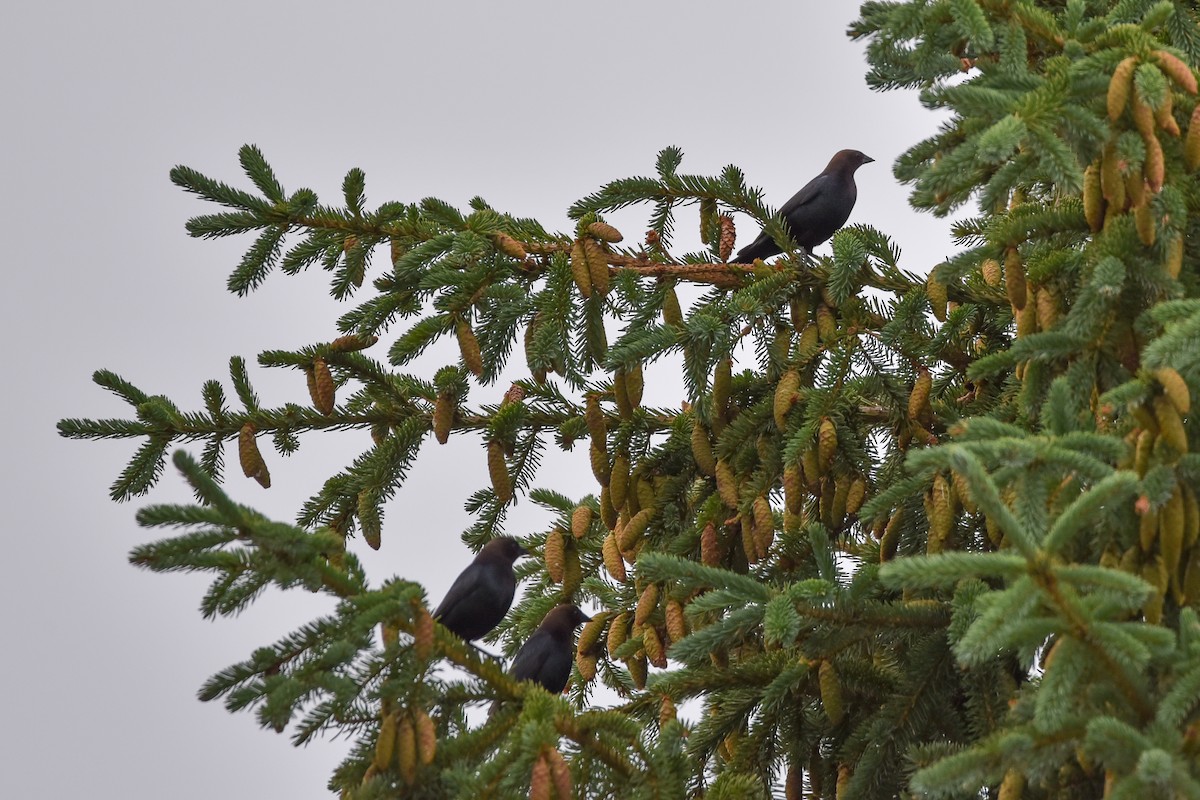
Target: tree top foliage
934 535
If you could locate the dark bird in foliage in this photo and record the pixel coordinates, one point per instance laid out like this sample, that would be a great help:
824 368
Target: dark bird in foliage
547 657
482 594
815 212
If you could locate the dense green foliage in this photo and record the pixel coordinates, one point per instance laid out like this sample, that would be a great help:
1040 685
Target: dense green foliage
934 536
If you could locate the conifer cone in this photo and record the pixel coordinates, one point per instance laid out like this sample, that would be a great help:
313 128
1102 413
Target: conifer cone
539 780
596 424
597 264
509 246
1174 262
368 519
1112 185
1014 278
992 274
1093 198
722 384
581 521
580 271
827 443
666 711
423 633
1155 166
406 749
809 344
632 533
1143 219
1170 424
572 571
1165 117
647 603
941 520
702 449
637 671
727 485
831 692
605 232
385 745
826 323
1191 517
612 558
963 492
793 488
676 622
1120 86
586 664
600 468
426 735
794 783
749 543
1177 70
608 514
1012 785
728 237
671 310
710 546
800 310
251 458
785 397
618 479
764 526
935 290
560 773
618 633
351 342
856 494
322 387
918 400
1171 526
1191 144
554 555
653 646
468 346
498 471
1174 388
589 637
634 384
443 417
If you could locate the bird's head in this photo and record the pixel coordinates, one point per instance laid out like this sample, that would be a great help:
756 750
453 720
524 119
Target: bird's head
848 160
566 615
505 547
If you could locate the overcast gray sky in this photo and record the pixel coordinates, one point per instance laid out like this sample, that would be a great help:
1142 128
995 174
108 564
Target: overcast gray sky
529 104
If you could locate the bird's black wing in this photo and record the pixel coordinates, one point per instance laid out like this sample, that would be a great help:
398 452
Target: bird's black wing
531 658
469 582
764 246
810 192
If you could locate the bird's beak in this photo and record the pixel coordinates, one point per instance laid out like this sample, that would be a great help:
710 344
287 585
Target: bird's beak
521 551
586 618
867 159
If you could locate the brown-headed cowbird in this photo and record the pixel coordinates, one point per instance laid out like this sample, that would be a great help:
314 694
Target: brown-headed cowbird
482 594
547 657
815 212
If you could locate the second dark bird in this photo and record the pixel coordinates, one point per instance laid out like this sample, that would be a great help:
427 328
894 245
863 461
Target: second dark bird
481 596
815 212
547 656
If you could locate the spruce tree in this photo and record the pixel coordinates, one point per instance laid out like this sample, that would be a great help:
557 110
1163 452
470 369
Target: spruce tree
908 536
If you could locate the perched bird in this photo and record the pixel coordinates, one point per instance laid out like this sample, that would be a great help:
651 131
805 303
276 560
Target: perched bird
482 594
546 658
815 212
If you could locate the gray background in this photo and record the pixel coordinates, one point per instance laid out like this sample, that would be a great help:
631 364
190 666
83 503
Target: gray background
530 104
